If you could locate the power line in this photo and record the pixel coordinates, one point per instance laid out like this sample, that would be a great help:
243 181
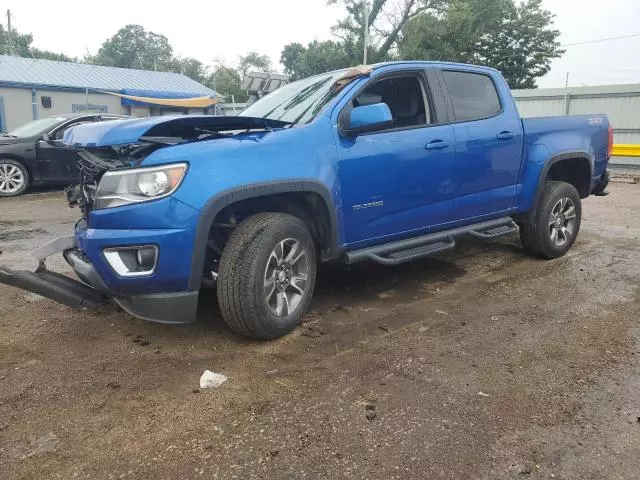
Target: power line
601 40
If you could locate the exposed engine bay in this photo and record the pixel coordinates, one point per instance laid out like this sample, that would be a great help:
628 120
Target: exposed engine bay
94 162
132 148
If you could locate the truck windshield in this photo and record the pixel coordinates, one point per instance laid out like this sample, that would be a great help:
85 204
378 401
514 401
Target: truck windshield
34 127
297 102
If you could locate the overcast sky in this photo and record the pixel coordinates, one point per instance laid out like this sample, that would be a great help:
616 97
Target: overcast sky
226 29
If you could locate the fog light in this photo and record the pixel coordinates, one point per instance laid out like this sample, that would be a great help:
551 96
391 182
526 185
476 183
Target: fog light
132 261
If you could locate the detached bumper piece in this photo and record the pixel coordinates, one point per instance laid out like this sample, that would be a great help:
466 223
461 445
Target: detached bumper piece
91 291
59 288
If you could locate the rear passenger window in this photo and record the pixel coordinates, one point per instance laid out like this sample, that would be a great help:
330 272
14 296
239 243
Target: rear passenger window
473 95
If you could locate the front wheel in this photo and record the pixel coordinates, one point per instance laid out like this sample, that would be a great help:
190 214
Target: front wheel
550 230
267 275
14 178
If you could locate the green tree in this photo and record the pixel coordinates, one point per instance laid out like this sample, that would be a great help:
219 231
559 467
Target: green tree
317 57
519 40
387 18
191 67
523 46
133 47
254 61
227 81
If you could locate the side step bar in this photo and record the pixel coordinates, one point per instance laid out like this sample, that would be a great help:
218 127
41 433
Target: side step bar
52 285
413 248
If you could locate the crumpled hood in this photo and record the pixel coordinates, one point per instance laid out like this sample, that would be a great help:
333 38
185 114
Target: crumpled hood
122 132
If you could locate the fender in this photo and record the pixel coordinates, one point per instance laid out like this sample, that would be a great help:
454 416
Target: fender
227 197
579 154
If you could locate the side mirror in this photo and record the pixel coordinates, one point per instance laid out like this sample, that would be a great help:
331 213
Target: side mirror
368 118
57 142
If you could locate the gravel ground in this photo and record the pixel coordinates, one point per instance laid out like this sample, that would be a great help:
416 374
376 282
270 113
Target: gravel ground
481 363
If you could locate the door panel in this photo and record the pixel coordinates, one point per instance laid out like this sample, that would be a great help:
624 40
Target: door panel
489 137
489 166
391 183
58 164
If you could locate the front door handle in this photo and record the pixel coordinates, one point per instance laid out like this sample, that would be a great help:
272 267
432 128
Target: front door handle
437 145
504 136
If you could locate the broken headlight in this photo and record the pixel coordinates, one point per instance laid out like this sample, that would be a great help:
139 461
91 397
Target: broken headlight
122 187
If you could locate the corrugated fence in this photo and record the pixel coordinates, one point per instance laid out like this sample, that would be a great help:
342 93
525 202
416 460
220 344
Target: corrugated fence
621 103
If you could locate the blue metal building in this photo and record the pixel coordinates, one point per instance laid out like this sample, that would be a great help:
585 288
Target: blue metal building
33 88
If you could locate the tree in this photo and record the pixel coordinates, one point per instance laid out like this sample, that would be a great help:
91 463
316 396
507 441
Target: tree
524 45
316 57
133 47
254 61
191 67
518 40
22 47
387 18
227 81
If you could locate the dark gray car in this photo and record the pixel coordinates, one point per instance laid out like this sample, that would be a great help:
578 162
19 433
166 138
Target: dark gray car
32 154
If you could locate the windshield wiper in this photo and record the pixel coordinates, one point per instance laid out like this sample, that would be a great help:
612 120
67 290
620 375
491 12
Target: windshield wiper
9 135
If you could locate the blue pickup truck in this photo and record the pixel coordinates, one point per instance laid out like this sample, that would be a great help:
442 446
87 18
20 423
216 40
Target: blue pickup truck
387 163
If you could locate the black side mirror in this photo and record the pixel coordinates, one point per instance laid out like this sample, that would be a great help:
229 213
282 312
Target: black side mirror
57 142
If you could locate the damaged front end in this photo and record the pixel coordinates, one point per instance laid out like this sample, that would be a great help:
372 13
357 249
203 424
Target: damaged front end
94 163
119 257
52 285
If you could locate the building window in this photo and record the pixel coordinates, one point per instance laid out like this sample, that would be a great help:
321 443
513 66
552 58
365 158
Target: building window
45 101
90 108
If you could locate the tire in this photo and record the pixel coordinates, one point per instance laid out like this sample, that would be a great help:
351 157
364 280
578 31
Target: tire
14 178
250 267
559 210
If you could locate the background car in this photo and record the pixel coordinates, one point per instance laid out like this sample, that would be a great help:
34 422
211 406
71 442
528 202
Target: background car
32 154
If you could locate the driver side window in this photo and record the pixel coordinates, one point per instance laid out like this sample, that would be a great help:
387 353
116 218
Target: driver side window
405 97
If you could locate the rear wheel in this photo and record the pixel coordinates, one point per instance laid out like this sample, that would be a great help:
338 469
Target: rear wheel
550 230
14 178
267 275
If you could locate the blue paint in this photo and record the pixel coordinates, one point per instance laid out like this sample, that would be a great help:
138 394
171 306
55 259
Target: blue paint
382 185
370 115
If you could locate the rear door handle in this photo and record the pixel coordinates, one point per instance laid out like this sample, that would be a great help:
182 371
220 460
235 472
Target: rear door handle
504 136
437 145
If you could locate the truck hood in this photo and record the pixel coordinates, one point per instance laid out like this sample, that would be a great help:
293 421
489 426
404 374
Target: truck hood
122 132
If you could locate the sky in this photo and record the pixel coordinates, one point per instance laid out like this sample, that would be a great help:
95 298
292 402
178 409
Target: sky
221 29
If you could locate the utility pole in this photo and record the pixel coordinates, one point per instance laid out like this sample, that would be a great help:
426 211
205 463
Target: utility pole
366 32
9 32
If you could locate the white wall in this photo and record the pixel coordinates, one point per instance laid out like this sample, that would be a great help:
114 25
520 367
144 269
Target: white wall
62 102
17 106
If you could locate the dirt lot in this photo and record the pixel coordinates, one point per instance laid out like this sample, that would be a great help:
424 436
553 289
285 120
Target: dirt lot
481 363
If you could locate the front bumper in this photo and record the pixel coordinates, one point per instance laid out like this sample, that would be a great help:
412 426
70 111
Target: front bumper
174 307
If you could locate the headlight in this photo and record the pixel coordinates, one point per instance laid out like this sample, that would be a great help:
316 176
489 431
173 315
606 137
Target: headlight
138 185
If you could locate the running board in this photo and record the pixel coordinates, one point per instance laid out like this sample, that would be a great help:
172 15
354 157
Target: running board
52 285
403 251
